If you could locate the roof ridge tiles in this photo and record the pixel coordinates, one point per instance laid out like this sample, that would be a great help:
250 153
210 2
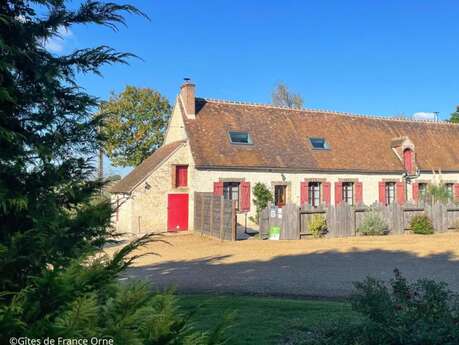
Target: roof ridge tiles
334 112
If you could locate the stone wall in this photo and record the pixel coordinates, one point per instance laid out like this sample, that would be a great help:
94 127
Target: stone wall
146 209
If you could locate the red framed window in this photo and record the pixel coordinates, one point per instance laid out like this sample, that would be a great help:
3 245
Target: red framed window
314 196
181 176
348 193
389 193
231 192
280 195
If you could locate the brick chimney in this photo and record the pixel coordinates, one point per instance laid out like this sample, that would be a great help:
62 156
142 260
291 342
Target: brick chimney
187 96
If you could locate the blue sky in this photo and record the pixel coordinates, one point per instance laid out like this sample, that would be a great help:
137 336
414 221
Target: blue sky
371 57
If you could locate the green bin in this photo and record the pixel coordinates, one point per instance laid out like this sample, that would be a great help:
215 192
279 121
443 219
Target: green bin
274 233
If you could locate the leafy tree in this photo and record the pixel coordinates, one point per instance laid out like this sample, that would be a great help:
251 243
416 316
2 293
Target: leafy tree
455 116
283 97
262 196
134 124
51 222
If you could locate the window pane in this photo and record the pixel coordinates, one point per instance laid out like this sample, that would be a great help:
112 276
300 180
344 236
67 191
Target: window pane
348 193
390 193
314 193
422 190
319 143
231 191
240 137
280 195
449 188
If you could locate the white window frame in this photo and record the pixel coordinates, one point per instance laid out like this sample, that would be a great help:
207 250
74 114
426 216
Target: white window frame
348 193
389 191
314 193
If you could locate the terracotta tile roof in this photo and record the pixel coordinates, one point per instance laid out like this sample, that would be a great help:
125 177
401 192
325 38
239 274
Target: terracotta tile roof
280 139
126 184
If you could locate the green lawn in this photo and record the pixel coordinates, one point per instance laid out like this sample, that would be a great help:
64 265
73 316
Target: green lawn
262 320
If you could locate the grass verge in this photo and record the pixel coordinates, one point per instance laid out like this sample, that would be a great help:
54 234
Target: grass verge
262 320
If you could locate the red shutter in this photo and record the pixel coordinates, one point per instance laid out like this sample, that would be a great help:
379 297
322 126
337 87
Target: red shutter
456 191
408 161
358 193
338 193
181 176
304 193
244 197
415 187
218 188
326 193
382 192
400 192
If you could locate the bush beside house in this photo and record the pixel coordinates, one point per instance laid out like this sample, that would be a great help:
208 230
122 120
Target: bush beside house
318 225
421 225
373 224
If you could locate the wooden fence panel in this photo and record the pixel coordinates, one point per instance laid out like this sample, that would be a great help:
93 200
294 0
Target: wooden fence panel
264 223
289 222
359 215
452 216
344 220
408 212
214 216
305 216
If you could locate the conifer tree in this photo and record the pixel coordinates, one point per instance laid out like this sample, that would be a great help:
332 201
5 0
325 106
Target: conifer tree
51 220
48 137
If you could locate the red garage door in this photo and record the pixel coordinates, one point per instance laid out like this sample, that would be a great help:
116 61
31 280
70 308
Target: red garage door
177 212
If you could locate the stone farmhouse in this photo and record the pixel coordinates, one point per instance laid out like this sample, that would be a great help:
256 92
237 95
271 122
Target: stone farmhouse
304 156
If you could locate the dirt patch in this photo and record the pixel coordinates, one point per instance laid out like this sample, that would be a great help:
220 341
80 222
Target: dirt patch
316 267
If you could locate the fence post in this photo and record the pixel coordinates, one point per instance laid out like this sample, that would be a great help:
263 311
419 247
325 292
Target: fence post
211 213
222 205
233 221
202 214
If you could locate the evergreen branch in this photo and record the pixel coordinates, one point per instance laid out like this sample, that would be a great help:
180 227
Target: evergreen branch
91 59
123 258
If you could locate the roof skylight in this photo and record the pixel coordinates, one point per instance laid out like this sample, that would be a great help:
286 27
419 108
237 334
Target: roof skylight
319 143
242 138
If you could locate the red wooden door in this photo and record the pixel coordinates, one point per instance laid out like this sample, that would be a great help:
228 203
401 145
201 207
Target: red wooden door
177 212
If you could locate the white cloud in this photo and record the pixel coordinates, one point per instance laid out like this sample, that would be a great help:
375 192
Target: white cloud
424 116
56 44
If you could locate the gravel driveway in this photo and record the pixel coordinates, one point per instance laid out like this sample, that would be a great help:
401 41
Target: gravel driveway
319 267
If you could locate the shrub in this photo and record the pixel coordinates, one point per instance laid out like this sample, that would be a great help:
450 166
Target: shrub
423 312
84 301
372 224
421 224
438 192
317 225
262 196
